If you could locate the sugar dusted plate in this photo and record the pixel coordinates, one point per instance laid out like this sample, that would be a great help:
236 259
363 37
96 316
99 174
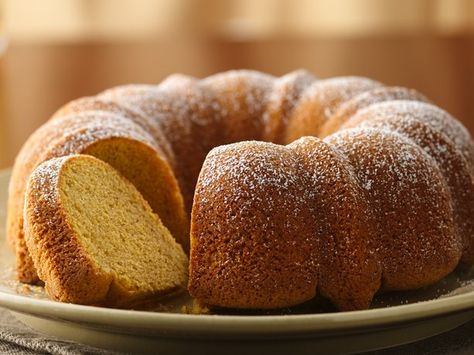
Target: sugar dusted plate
394 319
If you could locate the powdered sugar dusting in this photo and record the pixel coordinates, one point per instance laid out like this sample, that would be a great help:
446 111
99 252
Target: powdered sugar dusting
256 165
434 142
283 98
43 181
431 115
349 108
407 193
334 91
176 81
253 86
287 89
97 126
403 161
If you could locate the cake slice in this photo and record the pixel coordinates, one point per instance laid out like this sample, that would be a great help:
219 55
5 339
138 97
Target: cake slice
94 239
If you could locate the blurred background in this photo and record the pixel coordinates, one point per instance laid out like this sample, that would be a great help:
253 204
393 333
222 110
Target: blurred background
55 50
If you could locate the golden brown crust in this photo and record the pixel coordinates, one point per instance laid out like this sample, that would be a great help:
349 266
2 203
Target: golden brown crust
453 165
283 100
349 271
269 265
349 108
376 215
409 206
319 101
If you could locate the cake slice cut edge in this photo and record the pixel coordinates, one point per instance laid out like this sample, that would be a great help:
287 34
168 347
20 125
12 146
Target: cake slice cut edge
95 240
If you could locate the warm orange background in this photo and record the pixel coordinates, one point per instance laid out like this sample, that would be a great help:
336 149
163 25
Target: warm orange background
70 48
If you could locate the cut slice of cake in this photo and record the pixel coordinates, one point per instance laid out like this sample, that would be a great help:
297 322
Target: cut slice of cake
94 239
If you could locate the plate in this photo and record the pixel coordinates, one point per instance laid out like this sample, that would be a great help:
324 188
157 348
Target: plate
393 320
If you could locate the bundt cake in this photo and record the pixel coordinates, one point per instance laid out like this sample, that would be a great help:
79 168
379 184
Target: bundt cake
293 186
94 239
